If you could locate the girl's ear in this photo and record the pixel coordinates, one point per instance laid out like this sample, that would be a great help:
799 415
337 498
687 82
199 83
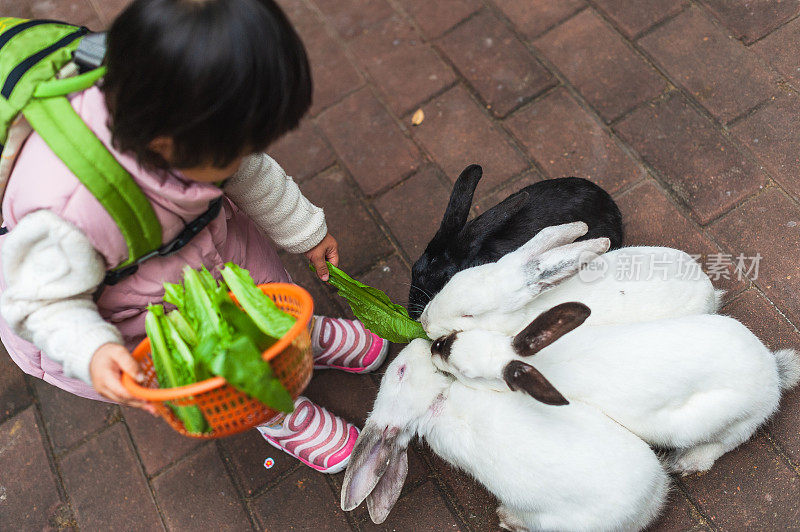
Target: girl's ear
521 376
457 212
488 223
548 327
163 146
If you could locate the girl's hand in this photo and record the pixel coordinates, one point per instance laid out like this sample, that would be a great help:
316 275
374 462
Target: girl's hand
328 250
105 369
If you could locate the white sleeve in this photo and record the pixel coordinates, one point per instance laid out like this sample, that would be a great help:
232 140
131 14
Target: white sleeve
263 191
51 272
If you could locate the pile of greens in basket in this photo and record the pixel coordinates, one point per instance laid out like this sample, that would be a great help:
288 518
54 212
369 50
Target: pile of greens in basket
208 334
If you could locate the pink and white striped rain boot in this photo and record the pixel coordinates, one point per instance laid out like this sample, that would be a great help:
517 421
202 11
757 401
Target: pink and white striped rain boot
346 345
313 435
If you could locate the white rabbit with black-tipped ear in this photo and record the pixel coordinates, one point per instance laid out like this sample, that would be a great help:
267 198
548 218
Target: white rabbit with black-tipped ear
551 268
565 467
700 385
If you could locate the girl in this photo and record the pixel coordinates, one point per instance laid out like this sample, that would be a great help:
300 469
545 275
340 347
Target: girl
194 92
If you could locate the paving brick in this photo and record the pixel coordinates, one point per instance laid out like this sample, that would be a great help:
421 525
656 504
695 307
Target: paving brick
334 76
302 501
457 133
477 506
771 327
326 302
347 395
781 49
300 15
413 210
751 20
29 498
677 515
534 17
435 18
724 76
14 394
351 17
68 418
704 168
80 12
422 509
391 276
109 9
771 133
405 69
567 141
245 454
647 13
361 242
593 57
650 219
770 226
303 152
157 444
761 317
198 490
749 488
369 142
498 65
106 485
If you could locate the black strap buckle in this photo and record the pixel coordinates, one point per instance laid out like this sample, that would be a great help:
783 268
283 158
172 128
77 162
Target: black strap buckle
183 238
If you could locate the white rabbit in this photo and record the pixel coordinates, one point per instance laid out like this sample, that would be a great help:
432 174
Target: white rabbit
551 467
504 296
701 384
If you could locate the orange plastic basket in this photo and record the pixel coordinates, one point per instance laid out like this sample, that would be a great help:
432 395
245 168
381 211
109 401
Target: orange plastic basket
227 410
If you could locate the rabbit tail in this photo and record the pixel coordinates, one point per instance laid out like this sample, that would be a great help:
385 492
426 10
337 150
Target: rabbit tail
788 367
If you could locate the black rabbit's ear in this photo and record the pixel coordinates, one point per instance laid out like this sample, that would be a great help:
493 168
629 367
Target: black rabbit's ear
549 326
457 212
521 376
478 230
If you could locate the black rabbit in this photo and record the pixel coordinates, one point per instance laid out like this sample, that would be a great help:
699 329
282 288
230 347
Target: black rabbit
458 245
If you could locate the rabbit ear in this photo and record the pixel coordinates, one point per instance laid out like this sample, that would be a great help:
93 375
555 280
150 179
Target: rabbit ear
488 223
549 326
368 463
385 494
548 269
553 237
521 376
457 212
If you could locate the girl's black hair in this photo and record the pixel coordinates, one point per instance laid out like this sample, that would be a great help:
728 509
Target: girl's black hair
219 77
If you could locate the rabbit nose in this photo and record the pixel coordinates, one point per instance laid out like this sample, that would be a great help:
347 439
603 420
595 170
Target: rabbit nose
443 345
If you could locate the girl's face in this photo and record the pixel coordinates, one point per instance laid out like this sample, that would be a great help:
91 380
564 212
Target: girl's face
206 173
212 174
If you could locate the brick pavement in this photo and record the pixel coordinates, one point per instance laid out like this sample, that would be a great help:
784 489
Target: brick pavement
686 110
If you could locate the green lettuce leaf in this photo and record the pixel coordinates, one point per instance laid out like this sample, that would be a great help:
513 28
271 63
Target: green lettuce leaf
374 309
239 362
274 322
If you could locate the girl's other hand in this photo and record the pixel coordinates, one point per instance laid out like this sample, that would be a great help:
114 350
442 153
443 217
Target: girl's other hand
328 250
106 368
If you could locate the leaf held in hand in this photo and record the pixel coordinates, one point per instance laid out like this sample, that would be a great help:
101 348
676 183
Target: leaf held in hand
374 309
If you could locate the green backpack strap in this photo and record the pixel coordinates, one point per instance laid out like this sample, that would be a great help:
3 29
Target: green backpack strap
29 86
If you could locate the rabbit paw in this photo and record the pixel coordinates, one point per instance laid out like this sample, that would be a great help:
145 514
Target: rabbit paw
695 459
510 521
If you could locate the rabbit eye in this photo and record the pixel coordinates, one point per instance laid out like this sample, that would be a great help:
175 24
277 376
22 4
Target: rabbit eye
467 316
401 371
